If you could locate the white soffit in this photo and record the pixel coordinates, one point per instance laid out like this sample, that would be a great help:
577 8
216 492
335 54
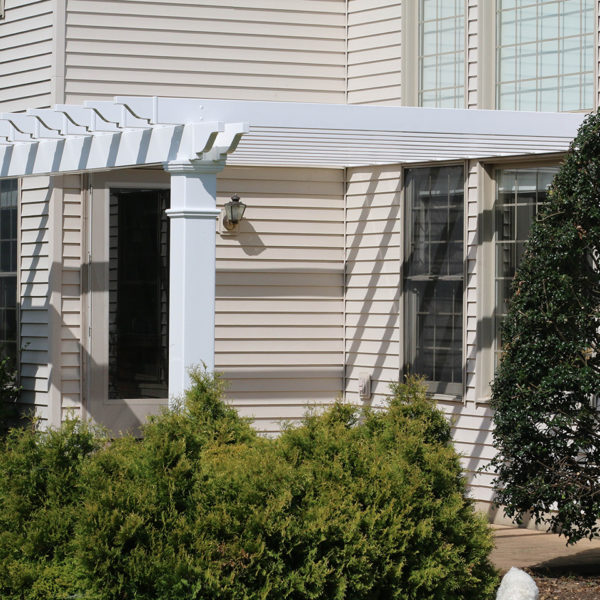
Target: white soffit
131 131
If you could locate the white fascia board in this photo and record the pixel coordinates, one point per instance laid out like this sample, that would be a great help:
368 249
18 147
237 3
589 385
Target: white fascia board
366 118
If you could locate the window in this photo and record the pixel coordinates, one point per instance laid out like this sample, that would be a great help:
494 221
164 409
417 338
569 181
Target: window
442 53
519 195
8 268
433 280
138 294
545 54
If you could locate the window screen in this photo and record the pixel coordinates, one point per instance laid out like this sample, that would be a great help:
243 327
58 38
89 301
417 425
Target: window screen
433 281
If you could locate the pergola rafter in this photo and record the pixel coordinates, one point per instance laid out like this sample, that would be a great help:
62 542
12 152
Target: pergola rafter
107 135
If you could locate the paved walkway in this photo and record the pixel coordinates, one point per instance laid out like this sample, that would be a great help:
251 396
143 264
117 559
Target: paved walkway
527 548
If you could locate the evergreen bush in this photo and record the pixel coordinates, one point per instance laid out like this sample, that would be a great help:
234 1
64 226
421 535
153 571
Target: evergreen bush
339 507
40 501
344 506
545 394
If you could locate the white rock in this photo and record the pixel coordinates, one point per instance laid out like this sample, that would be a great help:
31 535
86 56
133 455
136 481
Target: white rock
517 585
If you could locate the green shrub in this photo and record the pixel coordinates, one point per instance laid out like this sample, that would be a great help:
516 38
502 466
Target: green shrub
9 395
343 506
340 507
40 492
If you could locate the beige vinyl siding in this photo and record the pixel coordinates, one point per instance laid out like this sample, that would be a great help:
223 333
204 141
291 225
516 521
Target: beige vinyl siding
279 308
374 46
34 266
472 436
71 248
261 50
26 55
372 305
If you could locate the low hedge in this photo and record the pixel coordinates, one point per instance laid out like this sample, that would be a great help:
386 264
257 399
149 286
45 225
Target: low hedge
343 506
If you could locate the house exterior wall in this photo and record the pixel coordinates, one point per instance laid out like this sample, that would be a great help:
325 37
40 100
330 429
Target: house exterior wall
26 42
373 285
33 277
71 302
374 52
259 50
279 297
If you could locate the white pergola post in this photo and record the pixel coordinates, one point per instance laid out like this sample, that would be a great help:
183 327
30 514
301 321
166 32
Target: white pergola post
192 269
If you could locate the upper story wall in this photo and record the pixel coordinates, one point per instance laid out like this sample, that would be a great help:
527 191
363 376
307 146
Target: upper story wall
26 46
374 51
334 51
259 50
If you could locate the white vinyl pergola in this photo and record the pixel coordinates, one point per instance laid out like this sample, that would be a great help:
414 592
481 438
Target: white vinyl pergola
193 138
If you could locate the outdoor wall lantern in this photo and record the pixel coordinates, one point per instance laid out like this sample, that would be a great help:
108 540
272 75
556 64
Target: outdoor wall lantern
234 211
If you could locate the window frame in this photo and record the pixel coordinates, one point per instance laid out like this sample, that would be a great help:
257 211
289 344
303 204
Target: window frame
486 313
438 390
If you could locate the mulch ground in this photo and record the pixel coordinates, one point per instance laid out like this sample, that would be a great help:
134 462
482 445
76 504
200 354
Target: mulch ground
567 586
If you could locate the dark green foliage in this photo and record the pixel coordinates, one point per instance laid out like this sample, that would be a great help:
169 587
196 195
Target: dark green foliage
9 395
203 508
547 426
337 508
40 491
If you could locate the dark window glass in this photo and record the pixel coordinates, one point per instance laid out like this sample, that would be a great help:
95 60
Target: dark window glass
8 268
138 294
520 193
434 275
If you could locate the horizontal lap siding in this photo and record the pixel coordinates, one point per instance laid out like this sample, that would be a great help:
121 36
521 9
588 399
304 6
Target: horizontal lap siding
374 30
263 50
71 295
471 432
372 304
34 267
25 55
279 311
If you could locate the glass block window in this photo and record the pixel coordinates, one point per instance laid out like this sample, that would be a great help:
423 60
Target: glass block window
8 268
433 281
545 54
519 195
442 53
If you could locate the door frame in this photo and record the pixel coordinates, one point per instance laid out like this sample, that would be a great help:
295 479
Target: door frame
117 415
